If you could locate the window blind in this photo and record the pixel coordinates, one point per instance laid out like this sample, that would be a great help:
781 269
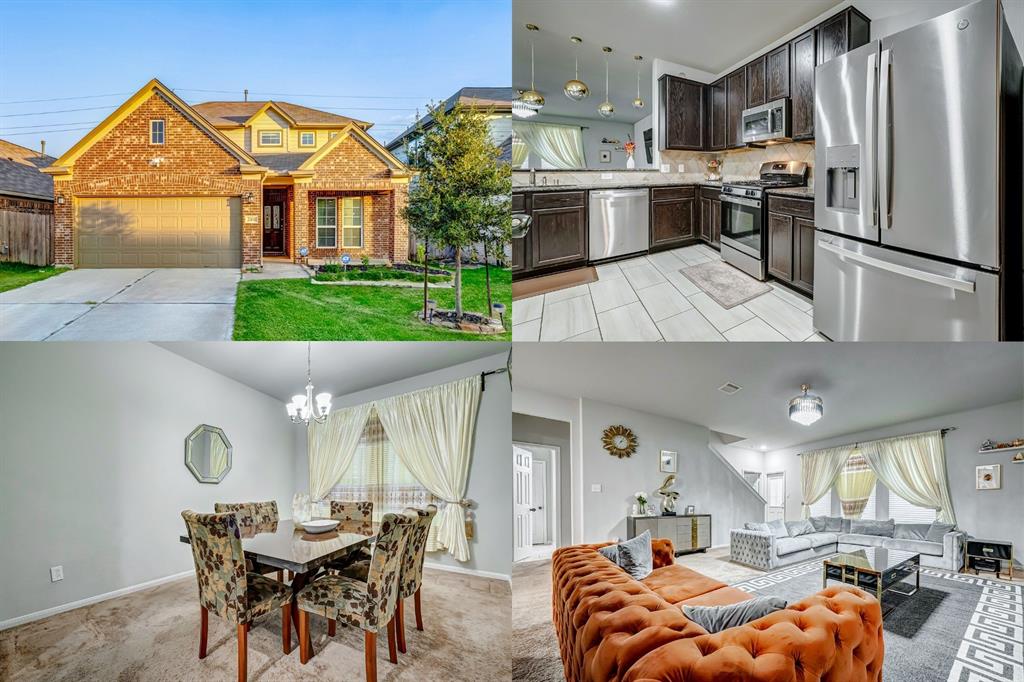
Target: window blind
903 512
823 507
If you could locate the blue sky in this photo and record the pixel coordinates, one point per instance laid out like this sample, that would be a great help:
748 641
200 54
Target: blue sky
379 59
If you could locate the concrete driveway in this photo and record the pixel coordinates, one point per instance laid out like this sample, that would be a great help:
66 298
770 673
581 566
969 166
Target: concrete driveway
169 304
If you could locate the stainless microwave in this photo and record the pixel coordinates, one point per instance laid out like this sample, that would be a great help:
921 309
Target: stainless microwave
768 122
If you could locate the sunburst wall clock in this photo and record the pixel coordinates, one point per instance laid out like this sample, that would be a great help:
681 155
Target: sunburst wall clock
619 441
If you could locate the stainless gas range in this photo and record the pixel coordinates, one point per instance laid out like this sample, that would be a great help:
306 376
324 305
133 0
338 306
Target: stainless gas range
744 216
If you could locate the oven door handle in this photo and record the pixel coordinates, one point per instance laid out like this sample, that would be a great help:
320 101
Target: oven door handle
728 198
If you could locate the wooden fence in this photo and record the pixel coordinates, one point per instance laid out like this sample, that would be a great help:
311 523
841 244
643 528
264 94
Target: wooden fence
27 237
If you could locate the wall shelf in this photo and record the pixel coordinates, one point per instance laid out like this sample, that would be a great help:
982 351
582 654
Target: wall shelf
993 450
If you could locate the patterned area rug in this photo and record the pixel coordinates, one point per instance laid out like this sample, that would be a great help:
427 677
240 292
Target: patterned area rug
956 628
725 284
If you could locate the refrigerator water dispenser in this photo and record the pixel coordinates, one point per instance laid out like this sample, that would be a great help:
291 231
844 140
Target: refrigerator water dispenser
842 174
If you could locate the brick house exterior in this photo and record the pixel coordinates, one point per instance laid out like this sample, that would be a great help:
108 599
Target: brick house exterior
130 192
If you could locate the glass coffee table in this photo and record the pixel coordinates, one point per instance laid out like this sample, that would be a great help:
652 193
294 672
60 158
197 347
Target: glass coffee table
874 569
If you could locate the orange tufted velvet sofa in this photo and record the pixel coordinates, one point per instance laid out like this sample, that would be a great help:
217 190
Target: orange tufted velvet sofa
612 627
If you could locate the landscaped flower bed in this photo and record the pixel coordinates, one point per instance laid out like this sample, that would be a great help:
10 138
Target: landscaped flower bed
400 273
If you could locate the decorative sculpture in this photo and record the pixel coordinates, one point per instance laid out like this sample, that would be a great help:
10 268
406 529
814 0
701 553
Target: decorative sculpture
668 507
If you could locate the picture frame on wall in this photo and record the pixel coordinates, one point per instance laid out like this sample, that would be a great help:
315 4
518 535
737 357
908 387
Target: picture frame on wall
605 156
988 477
668 462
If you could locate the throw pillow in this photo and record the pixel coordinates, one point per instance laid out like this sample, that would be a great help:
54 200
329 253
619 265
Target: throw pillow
869 527
762 527
938 530
818 522
801 527
833 524
778 528
718 618
636 556
610 552
911 531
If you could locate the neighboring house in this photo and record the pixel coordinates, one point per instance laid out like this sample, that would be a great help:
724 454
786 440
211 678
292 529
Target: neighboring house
25 190
497 102
160 183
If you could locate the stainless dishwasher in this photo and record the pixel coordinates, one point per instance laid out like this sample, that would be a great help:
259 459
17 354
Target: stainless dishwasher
619 222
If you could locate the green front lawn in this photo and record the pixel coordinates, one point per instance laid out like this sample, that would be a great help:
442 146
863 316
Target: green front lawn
14 275
294 309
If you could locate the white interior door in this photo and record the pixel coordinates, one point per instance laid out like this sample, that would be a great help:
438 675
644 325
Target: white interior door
776 489
522 498
539 506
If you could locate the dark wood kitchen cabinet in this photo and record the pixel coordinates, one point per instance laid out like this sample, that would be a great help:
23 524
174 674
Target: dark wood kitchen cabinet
519 258
777 73
705 218
756 82
681 114
841 33
711 215
673 217
557 239
717 118
735 103
803 55
791 241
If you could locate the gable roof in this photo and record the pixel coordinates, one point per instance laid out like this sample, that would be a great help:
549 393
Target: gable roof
397 167
19 172
225 114
153 88
499 99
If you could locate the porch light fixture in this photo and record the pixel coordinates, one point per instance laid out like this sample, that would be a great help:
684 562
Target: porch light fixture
576 89
530 101
606 109
301 410
807 408
249 197
60 199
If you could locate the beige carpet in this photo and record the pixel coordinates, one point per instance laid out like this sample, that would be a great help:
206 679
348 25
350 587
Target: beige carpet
154 635
535 655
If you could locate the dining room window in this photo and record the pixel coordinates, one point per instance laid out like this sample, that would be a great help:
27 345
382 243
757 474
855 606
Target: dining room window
378 475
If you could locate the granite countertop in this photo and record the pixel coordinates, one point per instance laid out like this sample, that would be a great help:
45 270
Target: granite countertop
579 188
804 192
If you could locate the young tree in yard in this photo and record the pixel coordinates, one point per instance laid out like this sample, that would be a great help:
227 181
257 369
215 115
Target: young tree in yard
462 190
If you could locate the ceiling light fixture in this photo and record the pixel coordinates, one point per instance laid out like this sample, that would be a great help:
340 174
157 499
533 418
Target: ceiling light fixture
638 103
529 102
576 89
606 109
301 409
807 408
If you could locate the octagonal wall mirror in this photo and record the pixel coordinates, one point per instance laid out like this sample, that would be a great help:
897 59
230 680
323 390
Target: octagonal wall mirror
208 454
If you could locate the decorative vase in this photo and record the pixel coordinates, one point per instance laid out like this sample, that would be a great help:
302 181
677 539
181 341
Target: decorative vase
630 163
641 509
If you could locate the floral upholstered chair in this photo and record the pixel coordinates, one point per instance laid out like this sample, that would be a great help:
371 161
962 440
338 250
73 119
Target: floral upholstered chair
226 588
369 604
355 517
253 515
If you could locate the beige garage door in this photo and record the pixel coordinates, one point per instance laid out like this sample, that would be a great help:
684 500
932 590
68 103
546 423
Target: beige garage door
164 232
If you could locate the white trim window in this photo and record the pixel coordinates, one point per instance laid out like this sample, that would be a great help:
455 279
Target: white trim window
270 138
326 223
156 131
352 222
307 138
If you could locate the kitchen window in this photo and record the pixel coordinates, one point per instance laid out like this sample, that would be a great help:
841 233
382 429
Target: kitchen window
156 131
307 139
326 223
352 222
270 138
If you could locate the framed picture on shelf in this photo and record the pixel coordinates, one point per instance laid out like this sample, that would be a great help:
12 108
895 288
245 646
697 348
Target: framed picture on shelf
667 462
690 510
988 477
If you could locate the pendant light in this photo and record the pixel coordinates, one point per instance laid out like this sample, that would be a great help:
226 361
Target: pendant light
807 408
576 89
529 102
606 109
638 103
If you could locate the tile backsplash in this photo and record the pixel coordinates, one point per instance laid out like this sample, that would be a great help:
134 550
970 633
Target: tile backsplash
745 163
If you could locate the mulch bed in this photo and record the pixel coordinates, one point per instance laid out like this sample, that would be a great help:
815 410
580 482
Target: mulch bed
469 322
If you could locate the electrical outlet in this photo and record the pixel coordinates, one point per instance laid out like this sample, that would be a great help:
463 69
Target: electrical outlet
682 168
666 168
595 487
56 573
607 176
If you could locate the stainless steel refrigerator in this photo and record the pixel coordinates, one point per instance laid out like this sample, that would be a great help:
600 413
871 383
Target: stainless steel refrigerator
917 199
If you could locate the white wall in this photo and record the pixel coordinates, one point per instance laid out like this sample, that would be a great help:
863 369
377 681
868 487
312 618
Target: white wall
991 514
92 473
703 479
490 474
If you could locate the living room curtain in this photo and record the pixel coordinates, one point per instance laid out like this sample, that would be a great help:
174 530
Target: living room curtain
559 145
818 471
519 151
854 484
330 447
914 467
432 432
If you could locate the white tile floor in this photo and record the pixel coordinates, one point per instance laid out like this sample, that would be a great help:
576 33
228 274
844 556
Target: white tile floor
648 299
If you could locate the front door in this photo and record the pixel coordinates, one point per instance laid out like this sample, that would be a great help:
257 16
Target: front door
273 228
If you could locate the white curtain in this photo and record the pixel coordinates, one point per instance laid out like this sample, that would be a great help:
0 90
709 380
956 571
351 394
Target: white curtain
855 483
519 151
559 145
914 467
432 433
818 471
331 446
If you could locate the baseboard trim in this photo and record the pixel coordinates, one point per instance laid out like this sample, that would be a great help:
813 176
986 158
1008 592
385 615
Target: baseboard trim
468 571
70 606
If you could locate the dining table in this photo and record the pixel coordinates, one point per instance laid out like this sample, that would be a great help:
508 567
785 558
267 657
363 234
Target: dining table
287 545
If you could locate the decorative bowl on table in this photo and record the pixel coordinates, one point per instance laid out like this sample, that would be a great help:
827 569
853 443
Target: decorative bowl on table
318 526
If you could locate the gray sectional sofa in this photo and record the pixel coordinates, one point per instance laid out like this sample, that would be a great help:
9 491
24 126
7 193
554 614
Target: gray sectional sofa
781 543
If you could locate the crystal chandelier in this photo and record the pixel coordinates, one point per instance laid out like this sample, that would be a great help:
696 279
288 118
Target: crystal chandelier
638 103
807 408
576 89
529 102
606 109
301 409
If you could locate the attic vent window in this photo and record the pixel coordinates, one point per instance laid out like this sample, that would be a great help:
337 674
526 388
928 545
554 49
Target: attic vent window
729 388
